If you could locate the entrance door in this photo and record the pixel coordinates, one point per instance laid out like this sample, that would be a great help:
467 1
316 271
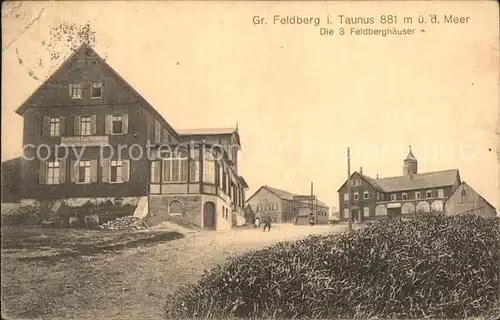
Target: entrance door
209 215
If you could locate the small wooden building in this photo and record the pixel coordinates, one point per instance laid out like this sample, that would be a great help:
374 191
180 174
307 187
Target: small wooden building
465 200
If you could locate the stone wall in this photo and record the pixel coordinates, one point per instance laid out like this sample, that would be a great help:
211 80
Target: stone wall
160 210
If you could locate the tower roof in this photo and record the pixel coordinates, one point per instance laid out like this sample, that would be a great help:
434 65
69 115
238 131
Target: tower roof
410 156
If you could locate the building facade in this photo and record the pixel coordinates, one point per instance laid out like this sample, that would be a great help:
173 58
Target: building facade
89 134
397 196
284 206
465 200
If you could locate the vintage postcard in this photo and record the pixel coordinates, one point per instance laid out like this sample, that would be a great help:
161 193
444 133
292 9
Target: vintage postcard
250 159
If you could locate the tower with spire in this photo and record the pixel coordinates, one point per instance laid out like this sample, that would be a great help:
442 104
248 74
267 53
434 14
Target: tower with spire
410 164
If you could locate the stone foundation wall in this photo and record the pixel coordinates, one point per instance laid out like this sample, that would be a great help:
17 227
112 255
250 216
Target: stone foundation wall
160 210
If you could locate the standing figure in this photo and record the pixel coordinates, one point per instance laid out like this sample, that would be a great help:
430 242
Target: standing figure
267 223
257 222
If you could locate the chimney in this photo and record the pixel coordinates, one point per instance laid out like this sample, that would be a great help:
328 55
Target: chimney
377 175
361 170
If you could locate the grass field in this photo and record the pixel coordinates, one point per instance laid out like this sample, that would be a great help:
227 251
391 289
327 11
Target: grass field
76 274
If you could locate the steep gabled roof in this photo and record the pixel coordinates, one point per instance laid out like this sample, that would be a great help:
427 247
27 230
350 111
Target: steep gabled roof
86 49
463 185
369 180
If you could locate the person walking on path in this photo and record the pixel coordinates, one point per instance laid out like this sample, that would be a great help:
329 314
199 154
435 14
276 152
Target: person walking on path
267 223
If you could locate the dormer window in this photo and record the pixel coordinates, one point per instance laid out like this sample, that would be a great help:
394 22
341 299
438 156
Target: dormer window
75 91
96 89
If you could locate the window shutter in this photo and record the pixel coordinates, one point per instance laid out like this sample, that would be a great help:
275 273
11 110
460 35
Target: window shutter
93 170
107 125
125 124
157 131
93 124
42 172
62 171
155 171
76 125
126 170
46 126
62 126
105 170
74 171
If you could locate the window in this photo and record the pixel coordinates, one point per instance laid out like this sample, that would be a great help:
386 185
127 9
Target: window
75 91
356 196
417 195
440 193
346 197
96 90
463 196
209 171
356 182
117 124
195 171
116 171
155 172
381 196
428 194
84 172
366 195
366 212
85 125
52 172
393 197
175 208
175 167
346 213
404 196
54 126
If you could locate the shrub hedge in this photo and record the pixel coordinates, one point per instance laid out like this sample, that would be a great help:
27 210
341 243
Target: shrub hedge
425 267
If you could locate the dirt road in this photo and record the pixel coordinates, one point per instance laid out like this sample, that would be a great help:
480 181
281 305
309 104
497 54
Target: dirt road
131 284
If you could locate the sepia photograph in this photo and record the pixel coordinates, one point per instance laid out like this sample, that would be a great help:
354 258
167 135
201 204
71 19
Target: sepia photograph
250 160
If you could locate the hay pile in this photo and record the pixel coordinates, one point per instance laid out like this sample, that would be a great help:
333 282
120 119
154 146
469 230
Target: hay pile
439 267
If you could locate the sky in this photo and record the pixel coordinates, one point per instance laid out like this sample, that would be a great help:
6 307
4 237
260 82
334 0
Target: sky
299 98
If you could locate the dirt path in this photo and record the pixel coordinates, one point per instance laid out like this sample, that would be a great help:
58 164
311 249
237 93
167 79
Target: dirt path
133 284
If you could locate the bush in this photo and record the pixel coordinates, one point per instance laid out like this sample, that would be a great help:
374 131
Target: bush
433 266
23 215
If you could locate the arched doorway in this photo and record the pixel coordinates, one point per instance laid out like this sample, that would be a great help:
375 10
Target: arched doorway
209 215
423 207
437 206
408 208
